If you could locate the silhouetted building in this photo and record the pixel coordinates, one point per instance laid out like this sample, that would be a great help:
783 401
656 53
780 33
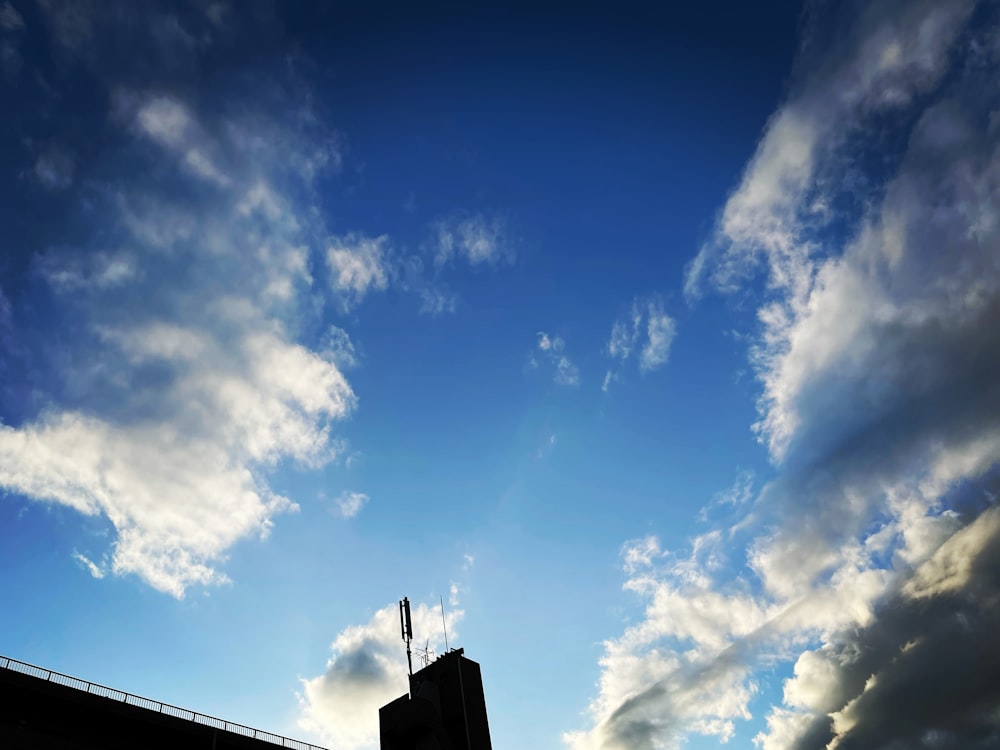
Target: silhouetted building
45 710
445 710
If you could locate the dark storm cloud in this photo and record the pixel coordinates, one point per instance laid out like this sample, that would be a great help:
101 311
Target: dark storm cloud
927 673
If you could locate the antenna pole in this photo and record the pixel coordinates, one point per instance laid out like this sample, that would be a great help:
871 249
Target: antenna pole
406 625
445 624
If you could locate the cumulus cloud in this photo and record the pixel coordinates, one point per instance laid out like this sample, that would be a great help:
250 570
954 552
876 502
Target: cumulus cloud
647 332
878 360
180 381
366 670
552 350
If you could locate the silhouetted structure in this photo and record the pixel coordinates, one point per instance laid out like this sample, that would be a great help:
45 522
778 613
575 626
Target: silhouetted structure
445 710
45 710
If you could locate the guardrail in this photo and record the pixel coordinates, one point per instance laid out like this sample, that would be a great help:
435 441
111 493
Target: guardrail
164 708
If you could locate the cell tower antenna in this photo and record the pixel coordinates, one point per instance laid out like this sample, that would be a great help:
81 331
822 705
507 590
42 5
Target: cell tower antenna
445 624
406 625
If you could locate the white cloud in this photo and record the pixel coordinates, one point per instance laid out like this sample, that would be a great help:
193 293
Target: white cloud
565 372
627 336
164 119
784 729
434 301
196 161
816 686
640 553
357 264
609 377
687 666
477 239
366 671
69 272
89 565
183 401
660 331
339 347
735 496
878 360
179 488
474 239
547 344
349 504
625 333
170 123
891 53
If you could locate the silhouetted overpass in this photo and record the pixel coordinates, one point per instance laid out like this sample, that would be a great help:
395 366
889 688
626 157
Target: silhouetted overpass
45 710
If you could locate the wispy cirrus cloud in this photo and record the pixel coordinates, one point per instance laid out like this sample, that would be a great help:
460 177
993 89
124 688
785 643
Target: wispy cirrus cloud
358 265
877 359
349 503
469 239
475 238
646 332
552 349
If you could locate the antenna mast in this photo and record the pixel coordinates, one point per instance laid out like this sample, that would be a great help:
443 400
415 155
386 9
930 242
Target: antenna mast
407 627
445 624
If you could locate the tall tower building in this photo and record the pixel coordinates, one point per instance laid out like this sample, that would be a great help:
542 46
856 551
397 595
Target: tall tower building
445 708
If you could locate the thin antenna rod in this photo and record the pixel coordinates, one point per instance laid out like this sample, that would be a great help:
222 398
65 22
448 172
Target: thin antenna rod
406 625
445 623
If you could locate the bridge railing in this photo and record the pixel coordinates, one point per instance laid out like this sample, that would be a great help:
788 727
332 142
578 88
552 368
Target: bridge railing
164 708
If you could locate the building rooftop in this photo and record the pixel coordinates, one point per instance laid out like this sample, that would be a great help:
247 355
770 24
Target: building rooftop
40 708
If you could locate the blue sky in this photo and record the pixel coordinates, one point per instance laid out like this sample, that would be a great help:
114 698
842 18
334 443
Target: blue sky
659 343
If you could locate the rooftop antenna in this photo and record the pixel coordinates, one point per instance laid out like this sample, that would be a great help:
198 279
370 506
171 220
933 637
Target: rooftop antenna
426 653
445 624
406 626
